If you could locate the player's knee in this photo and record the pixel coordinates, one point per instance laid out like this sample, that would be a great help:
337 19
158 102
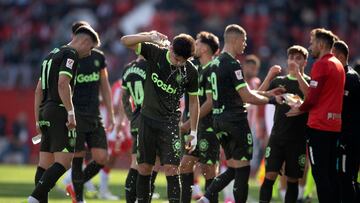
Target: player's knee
101 158
186 167
209 171
145 169
171 170
271 175
292 180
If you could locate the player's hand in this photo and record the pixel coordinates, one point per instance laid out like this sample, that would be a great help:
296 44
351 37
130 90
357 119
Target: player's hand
294 66
38 131
294 111
71 123
274 71
191 142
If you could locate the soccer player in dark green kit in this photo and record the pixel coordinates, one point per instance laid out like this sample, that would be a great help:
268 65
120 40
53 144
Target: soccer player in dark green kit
92 78
133 81
230 92
287 143
169 76
54 110
207 150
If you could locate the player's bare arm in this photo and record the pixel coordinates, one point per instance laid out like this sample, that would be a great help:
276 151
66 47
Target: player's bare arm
106 94
64 90
37 102
194 107
131 41
273 72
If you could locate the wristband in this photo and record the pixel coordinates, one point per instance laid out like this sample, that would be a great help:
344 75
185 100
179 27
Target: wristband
272 100
193 133
71 112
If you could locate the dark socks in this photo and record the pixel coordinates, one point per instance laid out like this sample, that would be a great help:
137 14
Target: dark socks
291 192
143 188
266 191
48 180
241 186
173 188
39 173
214 196
220 182
91 170
153 178
77 176
130 186
187 180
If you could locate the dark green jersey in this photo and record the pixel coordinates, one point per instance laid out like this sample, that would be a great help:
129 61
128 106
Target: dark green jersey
165 84
133 80
186 113
86 92
60 61
288 127
204 88
226 79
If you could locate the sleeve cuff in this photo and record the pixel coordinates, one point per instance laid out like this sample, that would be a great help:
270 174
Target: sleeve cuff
65 73
193 93
138 49
240 86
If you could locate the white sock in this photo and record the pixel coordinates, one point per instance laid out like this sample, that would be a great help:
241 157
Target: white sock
228 191
67 179
301 192
90 186
104 181
204 199
282 194
32 199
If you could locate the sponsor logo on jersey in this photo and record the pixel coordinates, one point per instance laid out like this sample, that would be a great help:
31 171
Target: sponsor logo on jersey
238 74
166 87
69 63
82 78
313 83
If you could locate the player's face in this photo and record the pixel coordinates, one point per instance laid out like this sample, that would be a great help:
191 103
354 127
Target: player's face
314 47
250 70
176 60
295 61
199 48
240 44
86 48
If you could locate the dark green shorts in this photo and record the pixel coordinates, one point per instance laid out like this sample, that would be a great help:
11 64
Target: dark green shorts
159 138
55 135
207 148
235 138
90 131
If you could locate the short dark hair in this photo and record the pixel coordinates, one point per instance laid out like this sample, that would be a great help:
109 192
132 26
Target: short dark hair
324 35
77 24
298 49
342 47
234 29
209 39
253 59
88 30
183 45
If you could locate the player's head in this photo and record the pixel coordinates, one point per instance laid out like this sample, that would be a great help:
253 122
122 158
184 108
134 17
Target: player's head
251 66
298 55
321 40
206 43
77 24
235 36
341 51
85 39
182 48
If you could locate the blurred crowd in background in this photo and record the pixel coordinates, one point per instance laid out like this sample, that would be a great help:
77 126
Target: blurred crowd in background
29 29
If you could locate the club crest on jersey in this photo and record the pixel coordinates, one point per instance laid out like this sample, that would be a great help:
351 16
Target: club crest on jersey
313 83
69 63
238 74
